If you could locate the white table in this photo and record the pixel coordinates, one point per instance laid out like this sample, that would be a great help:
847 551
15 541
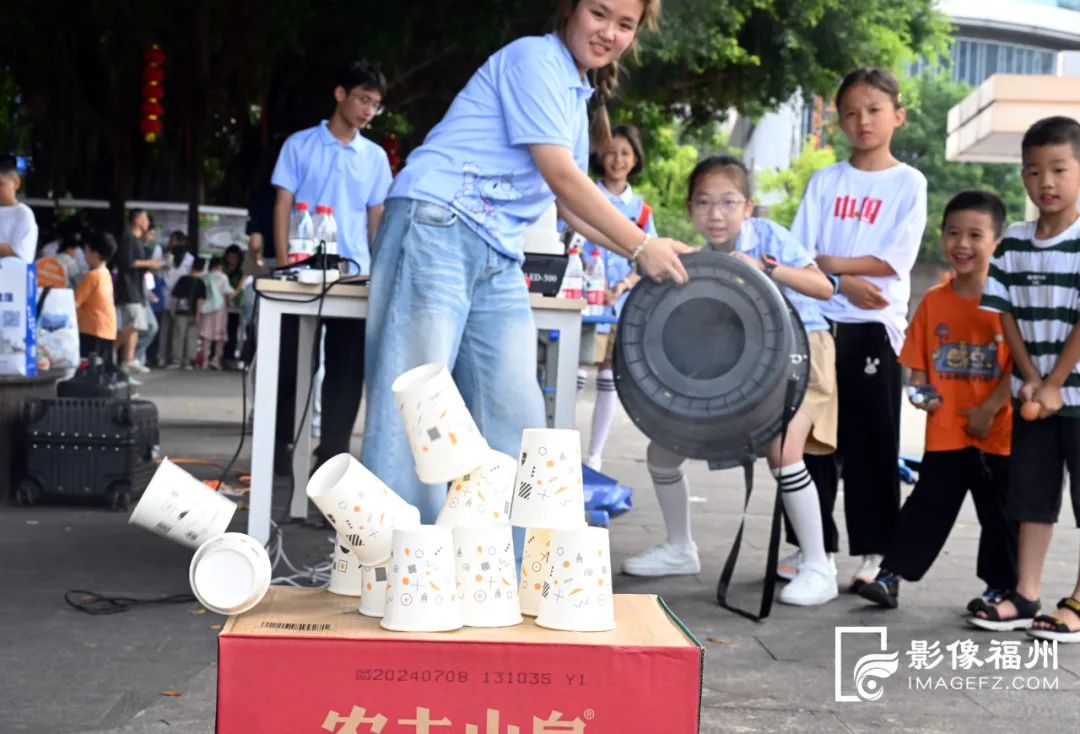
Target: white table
349 300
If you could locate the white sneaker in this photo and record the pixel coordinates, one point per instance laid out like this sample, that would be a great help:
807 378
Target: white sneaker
138 367
813 585
594 461
868 571
665 559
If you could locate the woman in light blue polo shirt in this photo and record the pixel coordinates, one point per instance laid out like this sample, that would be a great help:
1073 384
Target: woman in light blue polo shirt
447 284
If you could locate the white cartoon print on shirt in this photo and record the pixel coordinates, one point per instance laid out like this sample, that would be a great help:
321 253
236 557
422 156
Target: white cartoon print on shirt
481 195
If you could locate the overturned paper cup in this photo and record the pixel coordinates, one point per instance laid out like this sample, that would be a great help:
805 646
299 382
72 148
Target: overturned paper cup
445 441
230 573
345 571
576 595
548 491
481 497
485 576
179 507
535 559
421 586
373 600
361 508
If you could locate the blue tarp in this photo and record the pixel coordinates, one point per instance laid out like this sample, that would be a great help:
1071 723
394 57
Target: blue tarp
605 498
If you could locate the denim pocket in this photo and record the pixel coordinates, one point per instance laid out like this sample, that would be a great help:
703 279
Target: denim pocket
433 215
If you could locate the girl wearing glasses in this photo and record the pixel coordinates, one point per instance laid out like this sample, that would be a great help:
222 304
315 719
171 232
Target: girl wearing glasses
720 206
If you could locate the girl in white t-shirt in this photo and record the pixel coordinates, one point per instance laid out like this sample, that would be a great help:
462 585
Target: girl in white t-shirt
864 218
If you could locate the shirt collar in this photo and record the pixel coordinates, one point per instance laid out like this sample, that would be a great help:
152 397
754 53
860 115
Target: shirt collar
328 138
745 241
625 197
574 79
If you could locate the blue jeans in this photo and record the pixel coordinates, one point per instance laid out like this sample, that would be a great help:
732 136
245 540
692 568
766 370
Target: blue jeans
146 337
440 293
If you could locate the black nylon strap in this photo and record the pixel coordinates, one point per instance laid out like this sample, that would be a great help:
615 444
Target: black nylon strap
769 586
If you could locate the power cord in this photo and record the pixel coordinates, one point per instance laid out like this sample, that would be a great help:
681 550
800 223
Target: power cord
96 604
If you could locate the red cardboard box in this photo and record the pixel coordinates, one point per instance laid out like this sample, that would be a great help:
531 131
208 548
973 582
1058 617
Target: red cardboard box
305 661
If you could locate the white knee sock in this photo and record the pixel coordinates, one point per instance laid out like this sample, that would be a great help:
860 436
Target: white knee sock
673 492
604 412
801 504
582 379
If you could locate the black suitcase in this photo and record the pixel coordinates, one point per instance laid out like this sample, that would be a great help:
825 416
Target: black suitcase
87 449
96 381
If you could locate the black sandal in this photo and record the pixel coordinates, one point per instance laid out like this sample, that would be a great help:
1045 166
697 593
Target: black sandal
1059 631
1026 609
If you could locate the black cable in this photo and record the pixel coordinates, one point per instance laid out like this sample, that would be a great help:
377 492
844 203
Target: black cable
96 604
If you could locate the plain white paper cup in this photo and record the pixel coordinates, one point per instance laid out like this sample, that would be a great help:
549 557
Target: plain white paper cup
345 571
361 508
481 497
179 507
577 593
373 600
485 576
421 584
445 442
535 560
230 573
549 491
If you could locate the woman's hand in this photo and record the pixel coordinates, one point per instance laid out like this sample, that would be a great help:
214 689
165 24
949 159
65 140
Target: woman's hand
659 260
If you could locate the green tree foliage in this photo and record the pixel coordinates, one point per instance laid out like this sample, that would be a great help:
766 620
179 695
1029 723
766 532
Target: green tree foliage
792 181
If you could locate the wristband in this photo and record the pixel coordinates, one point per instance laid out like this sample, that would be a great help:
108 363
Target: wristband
835 280
770 264
638 250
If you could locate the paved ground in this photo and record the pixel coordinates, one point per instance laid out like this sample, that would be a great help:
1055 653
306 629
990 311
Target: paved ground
65 671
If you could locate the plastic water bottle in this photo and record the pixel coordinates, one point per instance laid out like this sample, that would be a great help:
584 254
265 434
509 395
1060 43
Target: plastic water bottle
595 285
573 282
321 229
331 232
301 234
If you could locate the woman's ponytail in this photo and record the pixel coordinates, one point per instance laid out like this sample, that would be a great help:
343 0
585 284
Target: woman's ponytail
605 83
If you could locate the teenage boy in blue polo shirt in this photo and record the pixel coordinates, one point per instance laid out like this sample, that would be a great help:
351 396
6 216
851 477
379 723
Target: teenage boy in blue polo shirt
332 164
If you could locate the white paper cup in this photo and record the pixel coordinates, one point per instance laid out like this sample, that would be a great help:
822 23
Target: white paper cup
361 508
577 593
230 573
179 507
535 560
549 492
445 441
345 574
373 600
421 587
481 497
485 576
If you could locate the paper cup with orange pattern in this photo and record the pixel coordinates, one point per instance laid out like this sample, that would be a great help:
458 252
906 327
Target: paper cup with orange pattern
421 583
445 442
362 509
373 600
486 576
345 571
576 595
535 559
179 507
481 497
548 490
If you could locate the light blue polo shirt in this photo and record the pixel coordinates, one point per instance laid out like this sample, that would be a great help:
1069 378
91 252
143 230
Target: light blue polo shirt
319 170
765 237
476 160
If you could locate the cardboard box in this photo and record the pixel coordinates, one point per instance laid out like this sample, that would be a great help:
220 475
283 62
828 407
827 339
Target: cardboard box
305 661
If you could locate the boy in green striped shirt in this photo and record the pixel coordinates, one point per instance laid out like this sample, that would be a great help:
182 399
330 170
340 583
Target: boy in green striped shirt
1035 284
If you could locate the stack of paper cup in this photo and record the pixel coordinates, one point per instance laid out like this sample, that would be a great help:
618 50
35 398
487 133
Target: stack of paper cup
179 507
230 573
362 509
485 576
421 586
373 600
481 497
577 593
549 492
345 571
445 441
535 563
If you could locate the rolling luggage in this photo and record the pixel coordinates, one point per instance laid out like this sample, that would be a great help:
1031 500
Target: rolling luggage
87 449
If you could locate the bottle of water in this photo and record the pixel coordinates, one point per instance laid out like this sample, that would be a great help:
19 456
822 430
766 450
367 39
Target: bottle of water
573 282
595 285
301 234
318 224
331 232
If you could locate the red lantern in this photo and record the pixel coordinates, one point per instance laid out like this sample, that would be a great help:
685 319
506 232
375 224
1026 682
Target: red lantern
153 92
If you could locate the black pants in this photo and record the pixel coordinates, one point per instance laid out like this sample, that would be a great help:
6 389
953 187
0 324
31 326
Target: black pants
868 380
343 383
824 470
931 510
90 345
232 330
